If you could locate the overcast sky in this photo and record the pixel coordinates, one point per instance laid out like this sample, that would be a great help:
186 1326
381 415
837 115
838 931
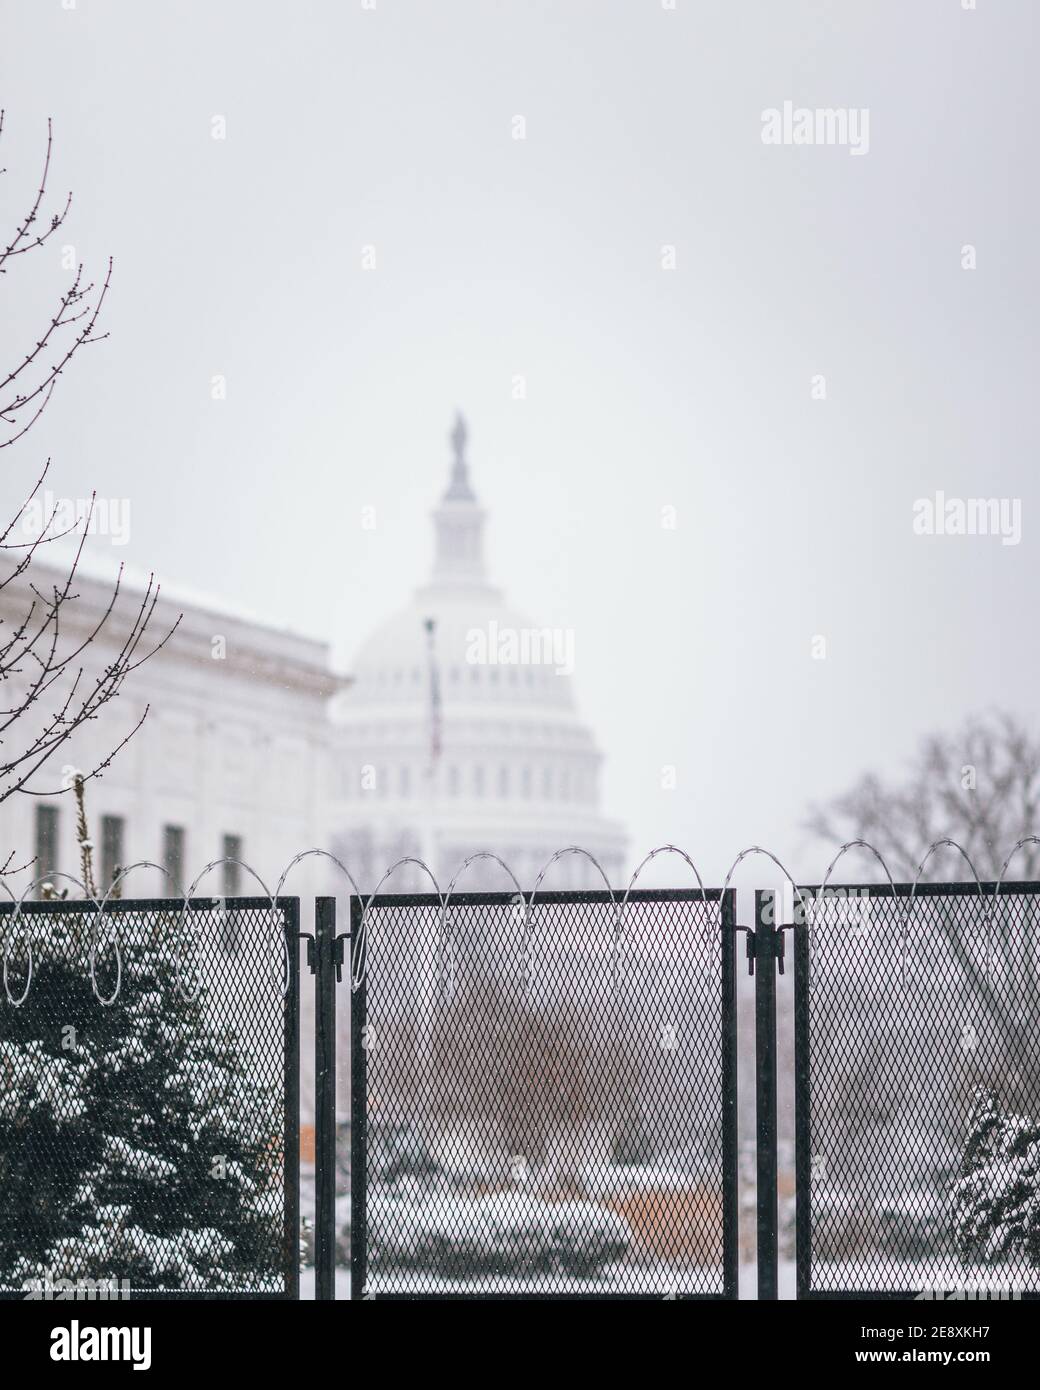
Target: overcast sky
392 127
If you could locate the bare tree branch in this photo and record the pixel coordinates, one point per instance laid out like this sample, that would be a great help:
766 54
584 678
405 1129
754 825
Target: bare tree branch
979 786
52 683
75 307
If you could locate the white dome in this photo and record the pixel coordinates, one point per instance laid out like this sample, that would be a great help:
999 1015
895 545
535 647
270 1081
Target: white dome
393 664
467 738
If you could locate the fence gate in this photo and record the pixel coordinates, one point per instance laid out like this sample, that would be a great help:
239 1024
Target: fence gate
544 1106
149 1099
917 1096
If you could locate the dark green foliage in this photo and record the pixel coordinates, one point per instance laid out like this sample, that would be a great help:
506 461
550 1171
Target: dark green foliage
996 1202
132 1146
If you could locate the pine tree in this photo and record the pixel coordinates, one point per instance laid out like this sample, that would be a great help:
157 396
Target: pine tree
132 1145
996 1201
48 1139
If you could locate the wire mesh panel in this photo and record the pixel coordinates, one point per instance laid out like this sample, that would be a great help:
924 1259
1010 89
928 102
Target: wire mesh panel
917 1045
544 1107
149 1100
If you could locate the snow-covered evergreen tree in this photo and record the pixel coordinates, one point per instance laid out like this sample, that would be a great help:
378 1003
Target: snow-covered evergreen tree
132 1145
48 1141
996 1201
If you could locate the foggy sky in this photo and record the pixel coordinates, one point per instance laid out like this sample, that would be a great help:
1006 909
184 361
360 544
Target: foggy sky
646 388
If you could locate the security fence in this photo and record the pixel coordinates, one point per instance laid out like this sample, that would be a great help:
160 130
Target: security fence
544 1097
917 1058
543 1093
149 1099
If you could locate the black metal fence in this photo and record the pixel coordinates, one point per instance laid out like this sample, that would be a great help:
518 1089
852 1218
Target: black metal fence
917 1035
544 1097
149 1099
543 1094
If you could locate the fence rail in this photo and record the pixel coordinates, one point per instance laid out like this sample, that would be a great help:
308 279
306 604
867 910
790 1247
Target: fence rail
149 1099
917 1071
541 1106
543 1091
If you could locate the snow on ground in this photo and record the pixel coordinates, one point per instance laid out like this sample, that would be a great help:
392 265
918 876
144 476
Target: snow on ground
748 1280
942 1275
307 1284
618 1278
912 1276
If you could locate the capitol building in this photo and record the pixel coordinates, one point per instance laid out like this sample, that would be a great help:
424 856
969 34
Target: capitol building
456 732
459 733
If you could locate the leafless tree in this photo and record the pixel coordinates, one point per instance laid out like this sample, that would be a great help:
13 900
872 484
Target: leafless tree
45 695
552 1082
979 786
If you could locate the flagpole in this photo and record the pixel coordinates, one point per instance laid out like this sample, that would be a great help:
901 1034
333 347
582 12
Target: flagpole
431 965
428 832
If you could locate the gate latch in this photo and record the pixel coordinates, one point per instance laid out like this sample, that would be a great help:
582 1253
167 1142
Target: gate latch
314 948
337 953
767 943
749 948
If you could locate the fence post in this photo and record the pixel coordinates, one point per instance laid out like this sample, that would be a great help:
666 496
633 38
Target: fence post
359 1039
765 954
730 1149
325 1099
802 1095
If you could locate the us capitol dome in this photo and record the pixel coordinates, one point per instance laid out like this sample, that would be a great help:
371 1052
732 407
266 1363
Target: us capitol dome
460 733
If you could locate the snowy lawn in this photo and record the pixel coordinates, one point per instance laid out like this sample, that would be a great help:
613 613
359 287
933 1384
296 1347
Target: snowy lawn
307 1284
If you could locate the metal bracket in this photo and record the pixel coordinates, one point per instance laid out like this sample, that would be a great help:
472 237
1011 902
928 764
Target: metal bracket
314 950
312 963
338 953
749 947
766 944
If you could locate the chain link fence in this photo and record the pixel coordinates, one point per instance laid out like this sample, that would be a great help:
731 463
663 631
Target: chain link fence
918 1091
149 1102
544 1096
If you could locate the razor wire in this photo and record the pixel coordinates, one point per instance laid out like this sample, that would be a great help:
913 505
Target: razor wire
822 896
448 993
240 863
15 915
359 953
661 849
618 901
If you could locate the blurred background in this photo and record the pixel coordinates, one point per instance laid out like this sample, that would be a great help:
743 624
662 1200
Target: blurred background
370 247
